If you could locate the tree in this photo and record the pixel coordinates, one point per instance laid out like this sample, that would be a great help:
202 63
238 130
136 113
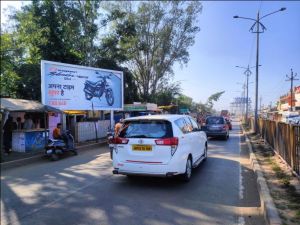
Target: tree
213 98
8 77
163 33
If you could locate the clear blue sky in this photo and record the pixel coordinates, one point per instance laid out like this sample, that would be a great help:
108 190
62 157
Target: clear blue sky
224 42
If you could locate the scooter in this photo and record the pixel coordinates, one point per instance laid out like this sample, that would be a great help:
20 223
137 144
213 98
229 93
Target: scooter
57 147
97 89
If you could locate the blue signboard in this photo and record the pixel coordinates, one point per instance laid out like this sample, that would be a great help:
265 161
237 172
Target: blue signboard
73 87
35 140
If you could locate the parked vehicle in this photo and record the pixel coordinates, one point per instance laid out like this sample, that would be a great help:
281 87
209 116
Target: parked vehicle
294 120
159 145
57 147
216 126
97 89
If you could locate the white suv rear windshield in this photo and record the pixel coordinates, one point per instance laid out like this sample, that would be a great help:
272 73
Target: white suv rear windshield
147 129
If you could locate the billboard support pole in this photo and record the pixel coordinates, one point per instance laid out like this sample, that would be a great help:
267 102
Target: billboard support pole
95 123
112 120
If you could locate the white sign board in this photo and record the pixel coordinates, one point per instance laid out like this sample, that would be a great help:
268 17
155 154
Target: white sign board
73 87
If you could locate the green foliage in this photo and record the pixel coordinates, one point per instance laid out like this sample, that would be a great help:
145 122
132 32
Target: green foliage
213 98
8 77
157 35
147 37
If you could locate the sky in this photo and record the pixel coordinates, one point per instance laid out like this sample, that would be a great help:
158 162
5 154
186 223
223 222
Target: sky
224 43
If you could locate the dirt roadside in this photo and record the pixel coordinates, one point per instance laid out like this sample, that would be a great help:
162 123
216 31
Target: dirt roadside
283 185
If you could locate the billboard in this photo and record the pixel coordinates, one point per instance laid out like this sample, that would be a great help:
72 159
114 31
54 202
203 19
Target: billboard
73 87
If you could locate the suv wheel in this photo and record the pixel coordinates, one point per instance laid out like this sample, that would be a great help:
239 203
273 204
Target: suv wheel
188 170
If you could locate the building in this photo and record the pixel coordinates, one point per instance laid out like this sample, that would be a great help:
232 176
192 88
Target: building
285 101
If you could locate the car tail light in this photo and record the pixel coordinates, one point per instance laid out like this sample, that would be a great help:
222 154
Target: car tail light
120 141
224 127
167 141
172 142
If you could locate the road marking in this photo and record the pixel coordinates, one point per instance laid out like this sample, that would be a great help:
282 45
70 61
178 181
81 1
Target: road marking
241 220
241 187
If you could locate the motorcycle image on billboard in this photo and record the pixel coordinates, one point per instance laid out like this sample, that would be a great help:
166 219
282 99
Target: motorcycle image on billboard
98 88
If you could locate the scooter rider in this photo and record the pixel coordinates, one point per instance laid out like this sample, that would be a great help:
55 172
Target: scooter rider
57 134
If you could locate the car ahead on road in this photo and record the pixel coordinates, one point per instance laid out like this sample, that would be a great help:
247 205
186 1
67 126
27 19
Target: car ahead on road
159 145
216 126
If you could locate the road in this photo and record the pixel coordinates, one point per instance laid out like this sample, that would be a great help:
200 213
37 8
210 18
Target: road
82 190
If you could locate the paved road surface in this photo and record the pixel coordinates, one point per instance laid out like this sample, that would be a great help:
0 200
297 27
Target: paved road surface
82 190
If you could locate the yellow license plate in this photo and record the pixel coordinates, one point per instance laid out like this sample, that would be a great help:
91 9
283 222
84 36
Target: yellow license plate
144 148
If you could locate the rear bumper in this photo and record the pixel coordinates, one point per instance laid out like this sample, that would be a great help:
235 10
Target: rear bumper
216 133
176 166
123 172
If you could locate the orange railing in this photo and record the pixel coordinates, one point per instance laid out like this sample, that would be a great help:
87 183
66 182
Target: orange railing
283 138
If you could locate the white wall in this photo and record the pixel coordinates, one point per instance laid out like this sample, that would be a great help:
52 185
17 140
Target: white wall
86 130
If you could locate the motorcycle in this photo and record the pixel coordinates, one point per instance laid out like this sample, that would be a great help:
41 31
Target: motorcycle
57 147
97 89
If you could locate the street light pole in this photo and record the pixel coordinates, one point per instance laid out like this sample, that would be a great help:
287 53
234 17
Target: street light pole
257 24
256 75
247 73
247 98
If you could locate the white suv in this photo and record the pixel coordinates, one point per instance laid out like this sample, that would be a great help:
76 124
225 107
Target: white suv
159 145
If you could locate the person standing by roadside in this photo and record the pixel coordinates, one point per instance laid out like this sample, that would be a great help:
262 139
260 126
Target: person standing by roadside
28 123
8 128
19 123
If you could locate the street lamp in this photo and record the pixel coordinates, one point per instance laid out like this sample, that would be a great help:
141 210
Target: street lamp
247 73
258 24
243 98
176 96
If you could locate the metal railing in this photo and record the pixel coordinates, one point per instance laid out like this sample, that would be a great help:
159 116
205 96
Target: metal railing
283 138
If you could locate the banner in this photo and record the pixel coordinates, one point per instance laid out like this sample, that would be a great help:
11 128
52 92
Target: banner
73 87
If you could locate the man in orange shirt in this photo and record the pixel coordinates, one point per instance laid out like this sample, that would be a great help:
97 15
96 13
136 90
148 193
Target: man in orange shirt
57 132
118 127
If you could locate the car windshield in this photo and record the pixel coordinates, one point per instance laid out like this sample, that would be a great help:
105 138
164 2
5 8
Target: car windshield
215 120
147 129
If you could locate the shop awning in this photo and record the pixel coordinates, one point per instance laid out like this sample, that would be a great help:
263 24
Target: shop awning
23 105
75 112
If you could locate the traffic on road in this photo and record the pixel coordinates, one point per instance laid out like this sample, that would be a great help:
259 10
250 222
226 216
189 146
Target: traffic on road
83 190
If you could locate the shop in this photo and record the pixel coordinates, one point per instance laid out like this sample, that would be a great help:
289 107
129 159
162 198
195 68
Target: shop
31 122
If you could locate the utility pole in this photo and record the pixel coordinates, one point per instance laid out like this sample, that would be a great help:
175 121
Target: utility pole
291 78
260 99
247 73
257 24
